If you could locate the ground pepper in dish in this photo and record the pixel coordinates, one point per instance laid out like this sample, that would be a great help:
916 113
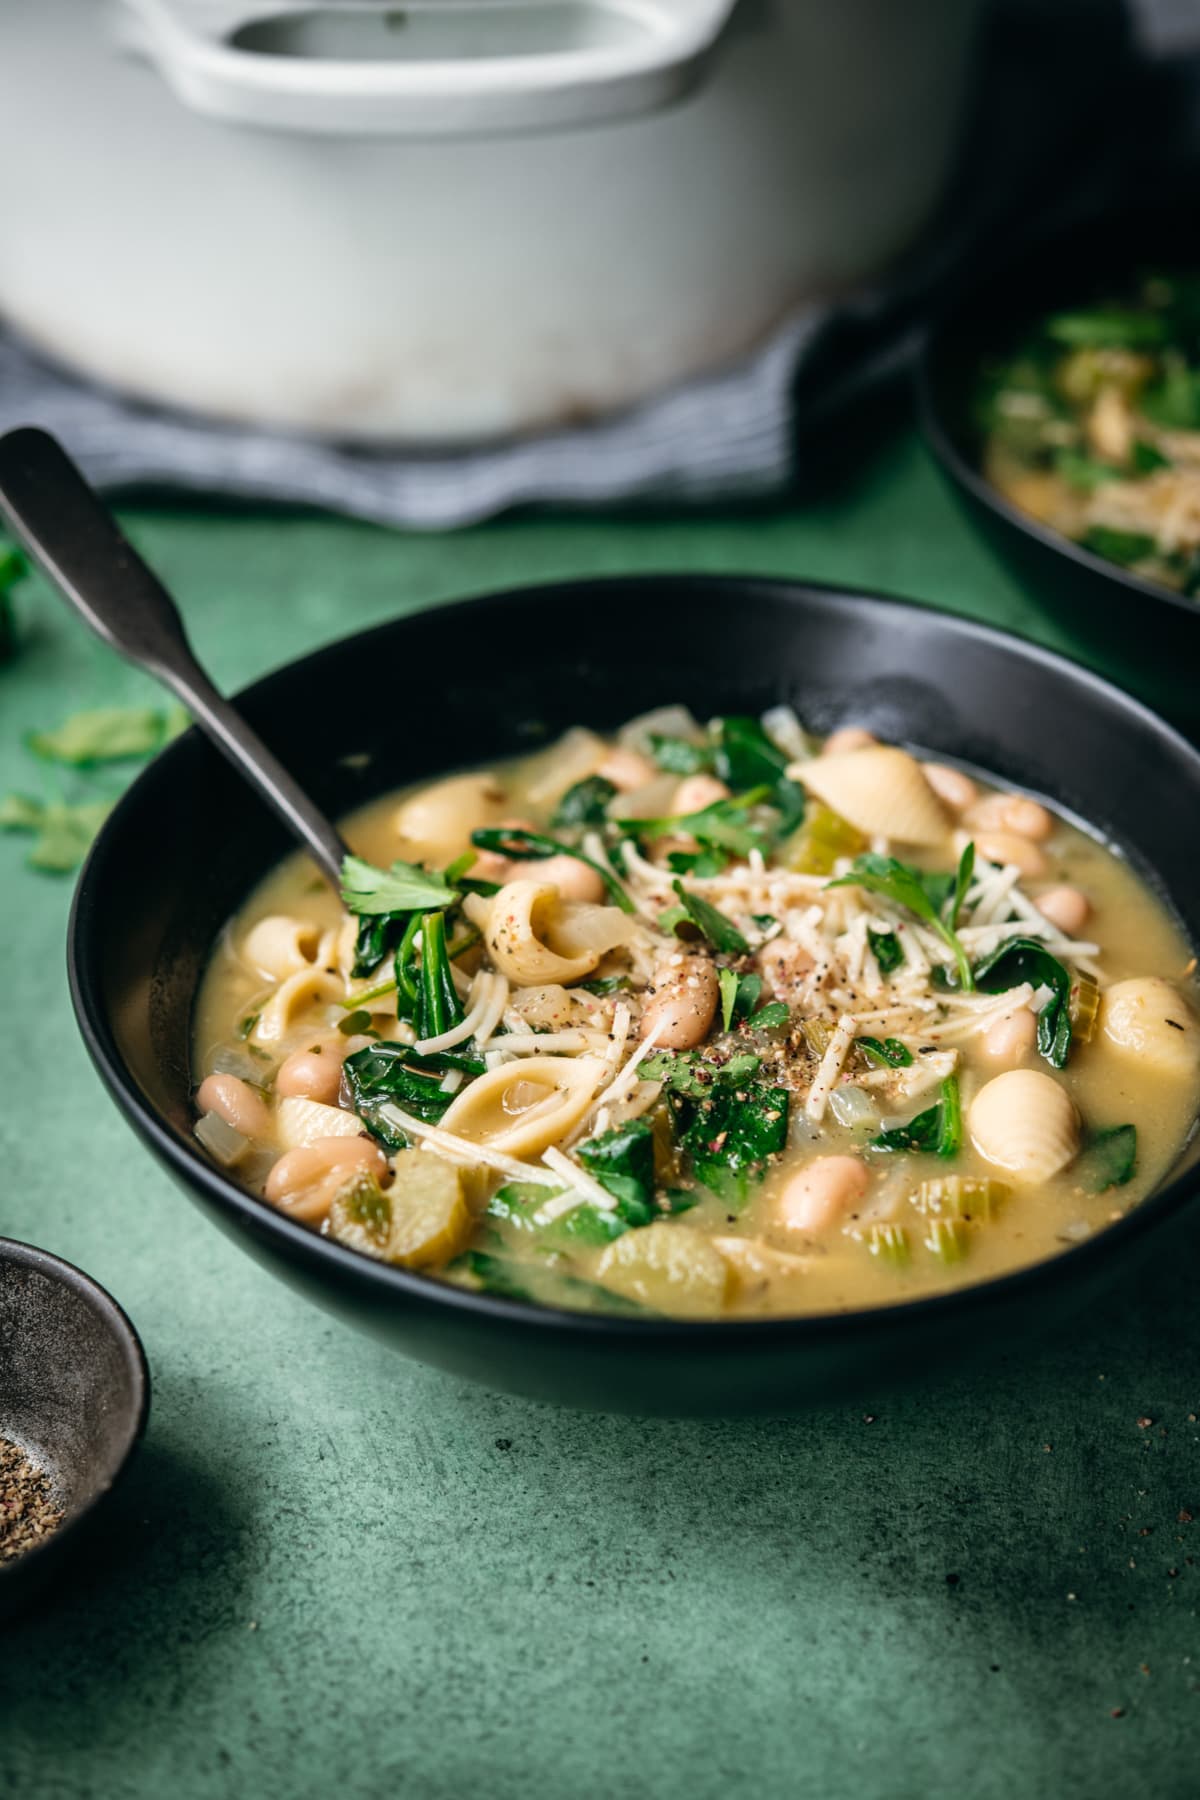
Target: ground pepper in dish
28 1513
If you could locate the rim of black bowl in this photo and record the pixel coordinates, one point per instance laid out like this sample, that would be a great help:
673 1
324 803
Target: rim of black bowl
960 316
122 1328
383 1278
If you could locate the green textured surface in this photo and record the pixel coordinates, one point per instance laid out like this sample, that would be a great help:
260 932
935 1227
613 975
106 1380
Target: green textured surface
334 1571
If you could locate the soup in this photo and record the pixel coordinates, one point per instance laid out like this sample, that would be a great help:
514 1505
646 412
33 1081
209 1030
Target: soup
704 1021
1093 427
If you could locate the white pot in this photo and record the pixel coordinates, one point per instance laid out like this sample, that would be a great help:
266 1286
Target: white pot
460 220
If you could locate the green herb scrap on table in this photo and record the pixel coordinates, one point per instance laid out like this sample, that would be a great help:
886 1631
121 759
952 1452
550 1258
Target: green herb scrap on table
76 760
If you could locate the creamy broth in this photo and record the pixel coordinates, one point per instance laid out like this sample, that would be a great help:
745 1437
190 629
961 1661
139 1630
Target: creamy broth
848 1027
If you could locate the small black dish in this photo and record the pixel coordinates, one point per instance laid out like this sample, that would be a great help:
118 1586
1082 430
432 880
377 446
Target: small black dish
188 840
74 1394
1147 632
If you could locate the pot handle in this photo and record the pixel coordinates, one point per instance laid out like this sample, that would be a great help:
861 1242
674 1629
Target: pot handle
425 68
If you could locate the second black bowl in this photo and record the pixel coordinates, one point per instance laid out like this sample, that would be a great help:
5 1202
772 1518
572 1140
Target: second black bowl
1137 628
459 685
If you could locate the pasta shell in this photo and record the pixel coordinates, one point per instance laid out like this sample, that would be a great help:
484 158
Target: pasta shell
436 824
1024 1122
301 1122
880 790
310 986
1147 1019
279 945
537 938
523 1107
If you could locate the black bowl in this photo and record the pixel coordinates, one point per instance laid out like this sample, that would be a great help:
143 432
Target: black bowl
1147 633
74 1393
458 685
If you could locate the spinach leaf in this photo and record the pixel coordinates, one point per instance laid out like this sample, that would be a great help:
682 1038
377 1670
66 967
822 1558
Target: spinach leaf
494 1274
889 951
396 1073
606 984
1108 1158
1108 328
403 888
534 846
721 932
439 1008
908 887
1148 457
747 758
687 1072
622 1160
1084 472
1123 547
1174 400
730 1134
679 756
585 803
518 1203
1025 959
888 1053
938 1130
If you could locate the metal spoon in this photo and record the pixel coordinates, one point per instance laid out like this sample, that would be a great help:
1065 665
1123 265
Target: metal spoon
70 532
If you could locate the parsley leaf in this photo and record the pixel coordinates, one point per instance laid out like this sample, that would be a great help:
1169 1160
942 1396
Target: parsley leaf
726 824
721 932
905 886
888 1053
405 887
687 1072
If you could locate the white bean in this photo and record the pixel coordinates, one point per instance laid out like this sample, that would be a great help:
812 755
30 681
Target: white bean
236 1102
1010 847
1010 1038
952 787
1014 813
683 1005
822 1193
1065 907
695 792
626 769
304 1181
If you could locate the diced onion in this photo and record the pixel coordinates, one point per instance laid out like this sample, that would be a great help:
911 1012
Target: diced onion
223 1143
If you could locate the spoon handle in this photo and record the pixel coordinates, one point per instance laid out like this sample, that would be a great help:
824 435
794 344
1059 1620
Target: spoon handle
70 532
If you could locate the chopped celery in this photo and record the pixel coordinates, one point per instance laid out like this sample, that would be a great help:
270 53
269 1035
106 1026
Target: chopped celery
947 1239
1084 1007
889 1242
961 1197
823 839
